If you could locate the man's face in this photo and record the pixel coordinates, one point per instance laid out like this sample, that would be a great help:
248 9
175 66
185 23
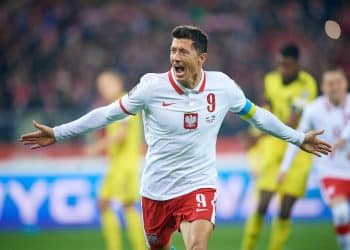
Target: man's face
109 87
185 60
334 86
287 66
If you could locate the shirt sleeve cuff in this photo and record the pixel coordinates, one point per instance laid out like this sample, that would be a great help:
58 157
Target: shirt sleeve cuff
56 133
301 138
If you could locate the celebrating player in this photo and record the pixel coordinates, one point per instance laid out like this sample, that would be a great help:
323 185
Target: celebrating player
121 183
331 111
182 111
287 90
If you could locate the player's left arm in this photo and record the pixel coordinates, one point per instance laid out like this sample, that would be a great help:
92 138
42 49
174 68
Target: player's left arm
268 123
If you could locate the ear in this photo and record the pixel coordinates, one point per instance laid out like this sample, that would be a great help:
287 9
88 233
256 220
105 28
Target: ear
203 57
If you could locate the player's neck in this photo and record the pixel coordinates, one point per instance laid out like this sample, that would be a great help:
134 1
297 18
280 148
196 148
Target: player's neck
289 79
193 81
338 102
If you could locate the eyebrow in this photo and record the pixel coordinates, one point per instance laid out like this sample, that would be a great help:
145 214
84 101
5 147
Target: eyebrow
179 48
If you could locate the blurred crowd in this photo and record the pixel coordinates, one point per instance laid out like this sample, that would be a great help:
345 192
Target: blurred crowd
52 50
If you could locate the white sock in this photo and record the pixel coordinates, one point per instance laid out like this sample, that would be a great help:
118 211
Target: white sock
344 241
341 220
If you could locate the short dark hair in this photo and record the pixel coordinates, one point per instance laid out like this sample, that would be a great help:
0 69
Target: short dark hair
334 68
290 50
198 36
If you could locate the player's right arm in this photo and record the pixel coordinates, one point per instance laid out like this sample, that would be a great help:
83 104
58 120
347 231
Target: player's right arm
98 118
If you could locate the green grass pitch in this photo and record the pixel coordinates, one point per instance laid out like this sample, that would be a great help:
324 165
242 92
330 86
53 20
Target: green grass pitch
304 236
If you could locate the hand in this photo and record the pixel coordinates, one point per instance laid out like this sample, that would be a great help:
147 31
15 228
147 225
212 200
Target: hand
314 145
42 137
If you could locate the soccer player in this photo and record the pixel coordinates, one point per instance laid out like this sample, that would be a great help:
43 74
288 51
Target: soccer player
122 143
331 111
182 112
287 90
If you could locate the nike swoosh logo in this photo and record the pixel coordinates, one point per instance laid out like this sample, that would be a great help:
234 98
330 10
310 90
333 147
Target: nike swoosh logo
166 104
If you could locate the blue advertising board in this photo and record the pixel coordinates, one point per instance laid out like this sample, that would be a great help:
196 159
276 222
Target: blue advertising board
66 197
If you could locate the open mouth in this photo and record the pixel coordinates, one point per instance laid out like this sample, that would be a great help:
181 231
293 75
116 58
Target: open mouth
179 70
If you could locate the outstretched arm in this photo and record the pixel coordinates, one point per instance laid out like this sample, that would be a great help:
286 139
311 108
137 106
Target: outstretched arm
93 120
128 105
268 123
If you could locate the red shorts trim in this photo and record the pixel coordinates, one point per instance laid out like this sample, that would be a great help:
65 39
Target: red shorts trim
342 230
162 218
333 187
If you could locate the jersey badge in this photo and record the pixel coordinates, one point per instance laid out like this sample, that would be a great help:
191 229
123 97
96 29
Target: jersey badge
190 120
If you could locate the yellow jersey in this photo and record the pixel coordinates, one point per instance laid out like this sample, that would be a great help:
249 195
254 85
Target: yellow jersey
122 179
285 99
127 153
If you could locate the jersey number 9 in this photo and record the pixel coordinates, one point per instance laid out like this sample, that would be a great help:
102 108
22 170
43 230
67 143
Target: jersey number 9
211 102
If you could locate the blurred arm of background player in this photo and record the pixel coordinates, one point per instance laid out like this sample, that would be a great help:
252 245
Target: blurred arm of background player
103 143
344 137
341 142
110 88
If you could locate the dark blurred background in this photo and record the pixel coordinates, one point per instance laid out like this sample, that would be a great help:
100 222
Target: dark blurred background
51 51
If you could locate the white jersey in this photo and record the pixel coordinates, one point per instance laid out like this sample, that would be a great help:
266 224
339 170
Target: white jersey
321 114
181 127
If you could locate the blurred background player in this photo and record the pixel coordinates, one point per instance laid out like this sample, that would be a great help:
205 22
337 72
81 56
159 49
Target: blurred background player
122 143
332 110
287 90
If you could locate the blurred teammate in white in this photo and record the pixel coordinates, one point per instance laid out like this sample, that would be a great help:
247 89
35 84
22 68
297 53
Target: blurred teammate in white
182 111
332 112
